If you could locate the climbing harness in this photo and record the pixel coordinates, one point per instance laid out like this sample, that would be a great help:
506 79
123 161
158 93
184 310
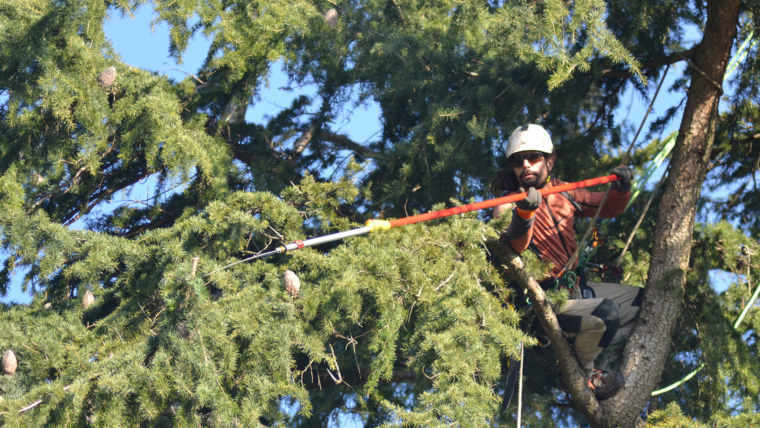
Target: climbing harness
566 275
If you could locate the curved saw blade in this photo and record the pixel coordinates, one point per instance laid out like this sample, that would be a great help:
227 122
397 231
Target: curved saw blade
512 374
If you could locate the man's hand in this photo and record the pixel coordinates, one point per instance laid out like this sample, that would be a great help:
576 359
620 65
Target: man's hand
625 175
531 202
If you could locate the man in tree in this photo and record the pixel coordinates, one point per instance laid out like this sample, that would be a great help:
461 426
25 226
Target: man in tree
546 226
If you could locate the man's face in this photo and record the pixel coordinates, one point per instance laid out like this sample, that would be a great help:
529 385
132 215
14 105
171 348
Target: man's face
531 168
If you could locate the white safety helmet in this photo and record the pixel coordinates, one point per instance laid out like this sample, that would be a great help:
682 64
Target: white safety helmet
529 138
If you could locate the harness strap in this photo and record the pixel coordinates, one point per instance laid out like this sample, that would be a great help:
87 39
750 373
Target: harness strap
576 205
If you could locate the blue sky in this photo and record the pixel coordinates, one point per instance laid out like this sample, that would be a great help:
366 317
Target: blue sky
145 46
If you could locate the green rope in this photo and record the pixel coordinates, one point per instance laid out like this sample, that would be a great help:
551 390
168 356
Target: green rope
741 54
746 308
736 326
754 296
679 383
661 156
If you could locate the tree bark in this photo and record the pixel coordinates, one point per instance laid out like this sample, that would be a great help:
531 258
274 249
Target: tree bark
572 374
644 357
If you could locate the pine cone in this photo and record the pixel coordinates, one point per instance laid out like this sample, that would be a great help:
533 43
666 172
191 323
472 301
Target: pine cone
9 362
88 299
291 281
332 18
107 77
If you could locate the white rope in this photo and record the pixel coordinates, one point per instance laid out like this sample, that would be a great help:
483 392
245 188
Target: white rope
568 266
641 218
519 388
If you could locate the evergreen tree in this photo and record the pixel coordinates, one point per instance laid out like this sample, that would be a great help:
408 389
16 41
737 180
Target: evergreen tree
409 326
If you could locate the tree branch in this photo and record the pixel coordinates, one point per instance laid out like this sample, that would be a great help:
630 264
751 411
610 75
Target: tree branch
238 152
152 225
646 65
70 182
572 373
304 139
348 144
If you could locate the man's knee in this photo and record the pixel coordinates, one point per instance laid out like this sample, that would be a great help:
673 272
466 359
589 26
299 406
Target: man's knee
637 300
607 312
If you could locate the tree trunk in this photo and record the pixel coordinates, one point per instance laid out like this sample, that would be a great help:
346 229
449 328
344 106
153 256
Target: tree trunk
645 354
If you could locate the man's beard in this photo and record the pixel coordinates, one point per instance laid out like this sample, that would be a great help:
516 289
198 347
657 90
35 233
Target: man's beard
534 181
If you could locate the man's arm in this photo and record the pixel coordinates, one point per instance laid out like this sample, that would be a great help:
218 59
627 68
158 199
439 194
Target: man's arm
520 230
589 201
617 200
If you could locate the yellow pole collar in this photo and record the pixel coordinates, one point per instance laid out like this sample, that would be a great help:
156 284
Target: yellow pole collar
375 225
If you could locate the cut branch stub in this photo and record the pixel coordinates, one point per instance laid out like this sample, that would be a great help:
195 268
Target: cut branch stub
195 265
9 362
184 330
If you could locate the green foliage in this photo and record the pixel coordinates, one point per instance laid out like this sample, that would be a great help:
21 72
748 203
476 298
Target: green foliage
229 347
673 417
408 326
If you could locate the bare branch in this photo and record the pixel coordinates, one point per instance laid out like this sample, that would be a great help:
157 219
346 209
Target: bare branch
171 67
347 143
699 70
70 182
38 402
670 59
327 381
304 140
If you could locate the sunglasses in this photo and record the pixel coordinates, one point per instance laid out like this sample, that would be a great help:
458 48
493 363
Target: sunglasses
518 160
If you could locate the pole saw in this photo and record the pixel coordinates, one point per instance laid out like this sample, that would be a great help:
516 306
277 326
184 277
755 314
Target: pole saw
375 225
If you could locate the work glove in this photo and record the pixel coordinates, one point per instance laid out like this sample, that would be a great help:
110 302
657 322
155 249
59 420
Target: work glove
625 175
531 202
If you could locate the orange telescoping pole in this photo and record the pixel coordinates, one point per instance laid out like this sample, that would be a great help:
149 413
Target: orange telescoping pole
375 225
501 201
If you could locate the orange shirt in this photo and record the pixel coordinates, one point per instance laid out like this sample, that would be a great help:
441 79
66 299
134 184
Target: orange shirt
553 232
